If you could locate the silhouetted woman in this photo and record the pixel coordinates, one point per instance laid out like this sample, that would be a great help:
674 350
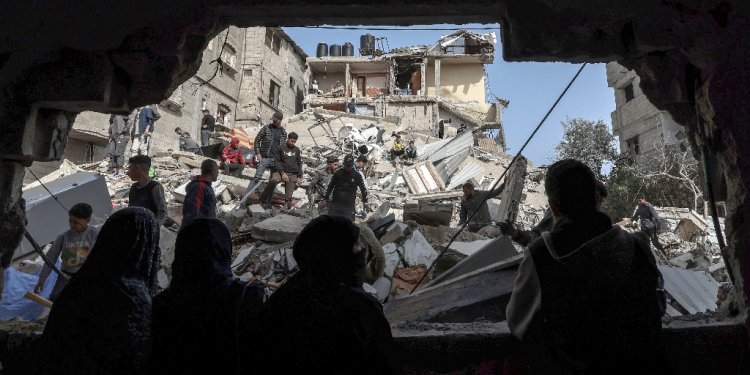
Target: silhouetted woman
196 319
101 322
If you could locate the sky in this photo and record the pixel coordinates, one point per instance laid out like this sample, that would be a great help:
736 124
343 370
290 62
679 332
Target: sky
530 87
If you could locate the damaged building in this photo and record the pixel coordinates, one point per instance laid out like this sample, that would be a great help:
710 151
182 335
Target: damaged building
423 87
137 63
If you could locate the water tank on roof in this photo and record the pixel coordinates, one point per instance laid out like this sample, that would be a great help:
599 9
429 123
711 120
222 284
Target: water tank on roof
348 49
334 50
322 50
367 44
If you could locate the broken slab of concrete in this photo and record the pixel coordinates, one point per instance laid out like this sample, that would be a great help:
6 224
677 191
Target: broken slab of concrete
281 228
429 213
512 195
394 235
417 250
257 211
483 294
497 250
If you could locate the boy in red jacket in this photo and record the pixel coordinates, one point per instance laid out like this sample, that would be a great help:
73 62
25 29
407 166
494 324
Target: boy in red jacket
232 158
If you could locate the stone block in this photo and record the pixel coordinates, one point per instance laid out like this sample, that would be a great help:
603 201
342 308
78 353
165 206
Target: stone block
429 213
417 250
234 219
257 211
281 228
225 197
394 235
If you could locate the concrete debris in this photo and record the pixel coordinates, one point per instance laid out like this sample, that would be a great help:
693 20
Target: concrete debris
279 228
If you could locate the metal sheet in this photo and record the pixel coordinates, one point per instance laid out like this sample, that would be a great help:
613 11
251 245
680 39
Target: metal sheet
694 291
47 219
499 249
448 166
456 145
464 175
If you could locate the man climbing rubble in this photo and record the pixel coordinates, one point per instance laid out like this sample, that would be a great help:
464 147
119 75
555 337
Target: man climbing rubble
585 298
650 223
267 142
187 143
287 168
319 184
118 141
477 201
343 190
142 133
208 123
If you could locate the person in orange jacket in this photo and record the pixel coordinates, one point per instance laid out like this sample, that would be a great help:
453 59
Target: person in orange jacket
232 158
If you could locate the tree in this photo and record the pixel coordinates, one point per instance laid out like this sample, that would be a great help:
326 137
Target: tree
587 141
671 174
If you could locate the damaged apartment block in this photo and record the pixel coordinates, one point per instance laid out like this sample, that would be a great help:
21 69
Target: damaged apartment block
434 88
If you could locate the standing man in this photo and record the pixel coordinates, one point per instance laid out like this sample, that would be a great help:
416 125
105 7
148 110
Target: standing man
587 291
363 167
208 123
477 201
351 107
343 185
146 192
287 168
267 143
649 220
143 131
118 141
320 183
200 200
72 247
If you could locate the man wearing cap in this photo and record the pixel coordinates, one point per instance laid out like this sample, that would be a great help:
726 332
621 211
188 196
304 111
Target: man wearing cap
342 190
269 140
649 219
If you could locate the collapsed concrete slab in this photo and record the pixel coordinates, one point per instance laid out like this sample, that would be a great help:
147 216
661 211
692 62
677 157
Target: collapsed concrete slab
429 213
281 228
417 250
483 293
511 196
497 250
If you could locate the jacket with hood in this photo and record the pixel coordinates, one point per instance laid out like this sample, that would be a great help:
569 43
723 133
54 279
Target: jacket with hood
585 300
200 201
232 154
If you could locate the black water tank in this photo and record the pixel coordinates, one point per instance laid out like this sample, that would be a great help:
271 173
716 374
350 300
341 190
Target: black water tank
348 49
322 50
367 44
334 50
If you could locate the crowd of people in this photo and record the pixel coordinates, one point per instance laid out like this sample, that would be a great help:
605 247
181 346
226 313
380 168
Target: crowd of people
586 292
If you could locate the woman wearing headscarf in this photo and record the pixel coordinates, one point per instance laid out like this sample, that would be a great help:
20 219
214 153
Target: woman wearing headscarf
101 322
195 320
321 320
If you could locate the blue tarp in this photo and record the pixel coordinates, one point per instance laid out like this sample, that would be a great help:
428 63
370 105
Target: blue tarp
13 304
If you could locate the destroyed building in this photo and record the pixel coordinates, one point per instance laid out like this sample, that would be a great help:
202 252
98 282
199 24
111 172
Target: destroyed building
691 57
422 87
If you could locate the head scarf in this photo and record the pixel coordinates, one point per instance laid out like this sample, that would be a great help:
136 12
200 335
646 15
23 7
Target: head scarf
202 255
326 249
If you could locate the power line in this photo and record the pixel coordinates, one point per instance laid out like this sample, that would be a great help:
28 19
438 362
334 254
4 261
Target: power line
494 186
404 28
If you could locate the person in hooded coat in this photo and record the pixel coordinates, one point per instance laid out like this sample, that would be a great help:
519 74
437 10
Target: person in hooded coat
196 319
101 322
321 320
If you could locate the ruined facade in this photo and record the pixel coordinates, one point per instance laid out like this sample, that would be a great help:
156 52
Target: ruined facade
639 125
416 86
274 73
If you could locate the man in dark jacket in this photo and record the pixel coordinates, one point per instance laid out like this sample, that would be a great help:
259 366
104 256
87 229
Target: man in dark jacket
142 134
585 297
343 190
187 143
200 200
287 168
477 201
650 223
525 237
146 192
270 138
208 123
118 141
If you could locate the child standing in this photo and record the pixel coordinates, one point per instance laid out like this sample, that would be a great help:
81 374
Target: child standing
72 246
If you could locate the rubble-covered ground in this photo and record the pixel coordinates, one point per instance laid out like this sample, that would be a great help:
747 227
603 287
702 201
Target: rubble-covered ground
414 204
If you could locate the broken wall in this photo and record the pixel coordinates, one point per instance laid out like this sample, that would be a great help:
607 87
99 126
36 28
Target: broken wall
463 82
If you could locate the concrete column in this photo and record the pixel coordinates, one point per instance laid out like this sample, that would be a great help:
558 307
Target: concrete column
423 76
391 77
437 77
347 82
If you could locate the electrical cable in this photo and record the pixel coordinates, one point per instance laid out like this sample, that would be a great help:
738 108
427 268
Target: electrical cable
494 186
